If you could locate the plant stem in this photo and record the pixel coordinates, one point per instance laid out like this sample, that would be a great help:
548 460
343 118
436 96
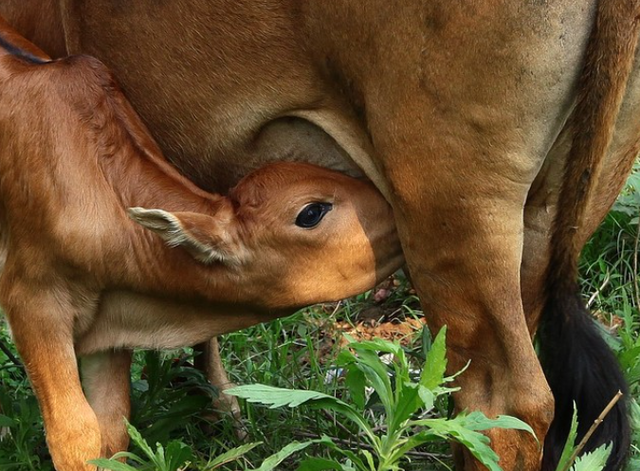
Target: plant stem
592 429
10 355
635 266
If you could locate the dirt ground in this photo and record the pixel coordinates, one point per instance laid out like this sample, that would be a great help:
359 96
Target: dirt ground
392 313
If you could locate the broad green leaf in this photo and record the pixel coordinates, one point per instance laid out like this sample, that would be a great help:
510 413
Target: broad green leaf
475 442
476 420
408 403
465 429
355 382
378 345
7 421
415 440
371 359
346 357
112 465
399 364
427 397
434 368
129 456
595 460
279 397
274 460
230 455
570 444
369 457
159 459
177 455
138 440
377 374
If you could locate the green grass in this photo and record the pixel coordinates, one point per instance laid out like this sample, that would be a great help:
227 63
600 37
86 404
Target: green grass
609 269
298 352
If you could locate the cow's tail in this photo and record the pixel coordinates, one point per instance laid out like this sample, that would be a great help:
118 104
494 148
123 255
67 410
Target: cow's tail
578 364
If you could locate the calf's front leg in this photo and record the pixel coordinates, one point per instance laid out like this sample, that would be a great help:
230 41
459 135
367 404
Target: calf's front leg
106 380
210 362
41 319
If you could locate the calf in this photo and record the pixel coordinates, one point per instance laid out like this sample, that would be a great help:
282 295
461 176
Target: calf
87 270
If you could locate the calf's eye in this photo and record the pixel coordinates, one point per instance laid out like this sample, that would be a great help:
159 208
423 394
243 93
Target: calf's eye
312 214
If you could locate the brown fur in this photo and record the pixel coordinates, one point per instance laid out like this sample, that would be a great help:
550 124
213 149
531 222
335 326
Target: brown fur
457 111
80 277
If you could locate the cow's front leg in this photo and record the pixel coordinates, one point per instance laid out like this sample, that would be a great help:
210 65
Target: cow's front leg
106 380
41 320
463 245
210 362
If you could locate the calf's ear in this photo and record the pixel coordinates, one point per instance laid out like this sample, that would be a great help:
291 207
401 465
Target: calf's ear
209 239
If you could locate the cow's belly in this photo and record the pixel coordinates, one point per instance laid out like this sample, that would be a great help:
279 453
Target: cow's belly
220 95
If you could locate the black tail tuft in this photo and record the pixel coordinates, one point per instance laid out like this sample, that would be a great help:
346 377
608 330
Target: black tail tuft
581 368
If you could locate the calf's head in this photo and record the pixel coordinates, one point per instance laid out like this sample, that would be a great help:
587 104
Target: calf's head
291 234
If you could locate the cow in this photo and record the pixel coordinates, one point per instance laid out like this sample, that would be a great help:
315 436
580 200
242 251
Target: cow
499 131
87 271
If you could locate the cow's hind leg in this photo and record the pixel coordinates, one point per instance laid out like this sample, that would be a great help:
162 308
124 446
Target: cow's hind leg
41 320
106 379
